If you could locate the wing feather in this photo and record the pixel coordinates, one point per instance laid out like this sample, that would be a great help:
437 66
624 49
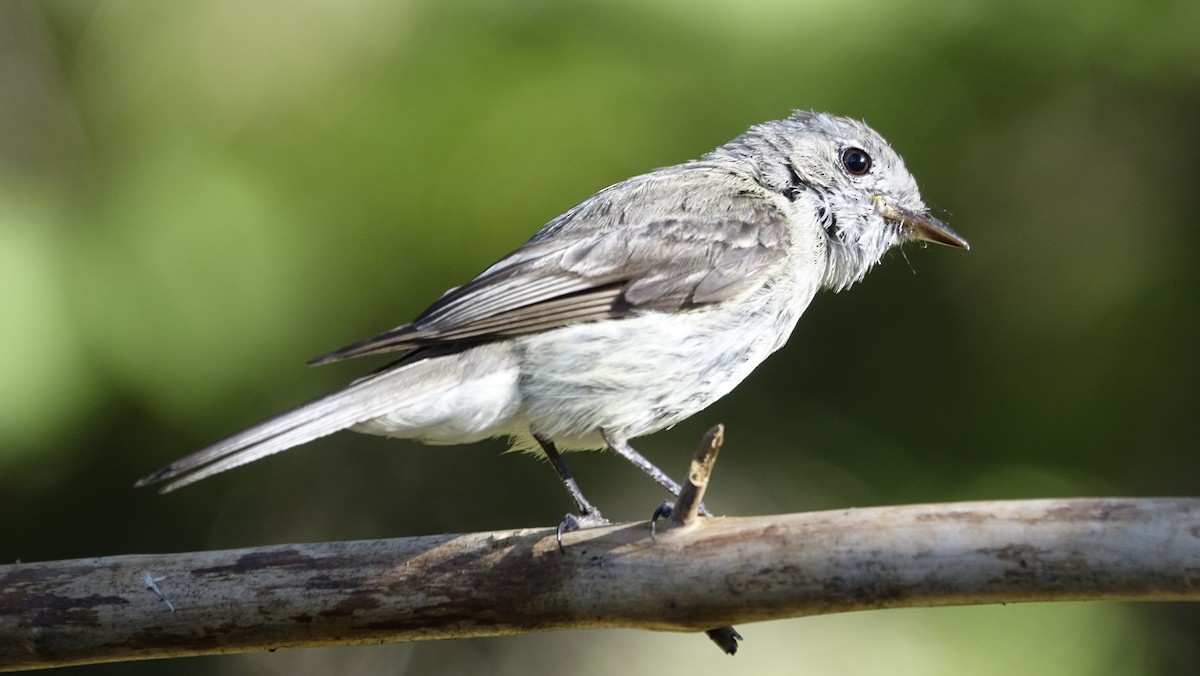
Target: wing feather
673 239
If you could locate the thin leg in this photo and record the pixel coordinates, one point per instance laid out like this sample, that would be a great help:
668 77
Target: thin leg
586 511
626 451
639 461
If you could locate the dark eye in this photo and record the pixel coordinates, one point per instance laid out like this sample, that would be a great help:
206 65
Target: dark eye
856 161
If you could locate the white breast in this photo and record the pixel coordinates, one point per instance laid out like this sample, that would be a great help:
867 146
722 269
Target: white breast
642 374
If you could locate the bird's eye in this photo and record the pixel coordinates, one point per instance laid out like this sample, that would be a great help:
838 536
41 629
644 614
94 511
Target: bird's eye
856 161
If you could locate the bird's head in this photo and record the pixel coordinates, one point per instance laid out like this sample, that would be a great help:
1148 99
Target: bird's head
857 189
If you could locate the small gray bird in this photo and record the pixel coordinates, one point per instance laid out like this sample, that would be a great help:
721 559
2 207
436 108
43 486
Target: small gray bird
632 311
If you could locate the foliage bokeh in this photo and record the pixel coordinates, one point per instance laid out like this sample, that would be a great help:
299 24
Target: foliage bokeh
196 197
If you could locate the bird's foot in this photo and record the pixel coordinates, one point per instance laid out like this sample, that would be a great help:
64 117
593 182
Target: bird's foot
665 510
572 522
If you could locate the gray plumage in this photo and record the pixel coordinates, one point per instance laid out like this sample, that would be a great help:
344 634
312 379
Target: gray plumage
632 311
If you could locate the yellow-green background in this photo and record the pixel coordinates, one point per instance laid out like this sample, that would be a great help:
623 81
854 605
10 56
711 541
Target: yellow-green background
196 197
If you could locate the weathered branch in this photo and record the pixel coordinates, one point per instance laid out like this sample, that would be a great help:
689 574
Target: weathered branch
712 573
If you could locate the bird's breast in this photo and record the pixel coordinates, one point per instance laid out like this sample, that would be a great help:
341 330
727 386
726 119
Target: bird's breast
644 373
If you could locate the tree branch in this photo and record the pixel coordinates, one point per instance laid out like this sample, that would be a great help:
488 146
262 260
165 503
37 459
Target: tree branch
713 572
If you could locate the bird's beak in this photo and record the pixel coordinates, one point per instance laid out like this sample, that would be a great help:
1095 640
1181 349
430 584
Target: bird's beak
921 226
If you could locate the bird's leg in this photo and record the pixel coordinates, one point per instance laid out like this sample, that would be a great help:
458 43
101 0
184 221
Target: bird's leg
588 514
623 449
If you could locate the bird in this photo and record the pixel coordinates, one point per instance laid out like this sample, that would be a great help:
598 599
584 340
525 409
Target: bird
633 310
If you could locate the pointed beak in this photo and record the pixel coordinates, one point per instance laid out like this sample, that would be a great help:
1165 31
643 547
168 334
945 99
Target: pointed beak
921 226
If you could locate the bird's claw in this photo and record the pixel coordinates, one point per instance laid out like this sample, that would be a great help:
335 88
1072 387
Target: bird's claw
663 511
571 523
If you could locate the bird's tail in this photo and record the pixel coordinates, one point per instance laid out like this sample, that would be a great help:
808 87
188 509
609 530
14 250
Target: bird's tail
367 398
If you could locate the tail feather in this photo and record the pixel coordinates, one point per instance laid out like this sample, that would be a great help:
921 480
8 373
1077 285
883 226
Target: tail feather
363 400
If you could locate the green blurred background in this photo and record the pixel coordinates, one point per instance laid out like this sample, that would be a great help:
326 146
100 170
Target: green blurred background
197 197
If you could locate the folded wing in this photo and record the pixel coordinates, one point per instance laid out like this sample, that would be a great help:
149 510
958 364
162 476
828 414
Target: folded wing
677 238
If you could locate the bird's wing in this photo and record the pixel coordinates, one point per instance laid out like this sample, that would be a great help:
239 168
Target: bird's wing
670 240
